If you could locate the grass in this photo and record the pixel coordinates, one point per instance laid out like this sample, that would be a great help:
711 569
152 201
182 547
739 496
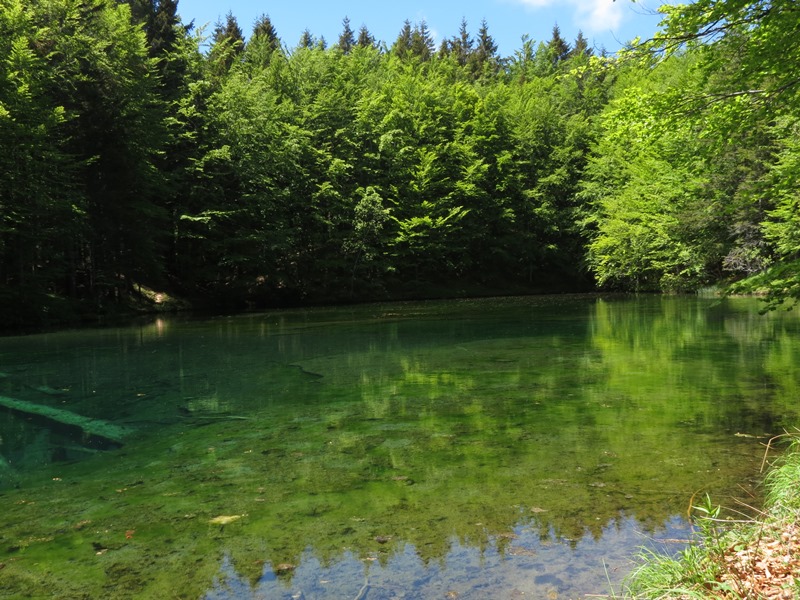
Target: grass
751 559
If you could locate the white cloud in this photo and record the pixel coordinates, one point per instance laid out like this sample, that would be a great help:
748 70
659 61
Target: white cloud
590 15
598 15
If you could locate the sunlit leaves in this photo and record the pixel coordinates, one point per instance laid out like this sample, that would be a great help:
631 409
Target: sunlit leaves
781 280
748 52
649 191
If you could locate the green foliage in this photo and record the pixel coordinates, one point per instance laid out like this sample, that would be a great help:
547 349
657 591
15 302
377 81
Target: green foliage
82 112
741 82
780 281
38 202
255 173
228 45
650 212
783 492
698 191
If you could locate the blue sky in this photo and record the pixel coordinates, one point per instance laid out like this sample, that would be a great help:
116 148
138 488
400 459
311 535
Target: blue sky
605 23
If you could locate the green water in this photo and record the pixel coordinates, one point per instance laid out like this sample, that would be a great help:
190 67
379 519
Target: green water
465 449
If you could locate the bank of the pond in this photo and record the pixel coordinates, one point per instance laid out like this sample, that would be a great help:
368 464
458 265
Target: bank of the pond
48 312
735 558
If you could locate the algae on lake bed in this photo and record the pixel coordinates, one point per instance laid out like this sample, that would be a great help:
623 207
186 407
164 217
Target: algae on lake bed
518 431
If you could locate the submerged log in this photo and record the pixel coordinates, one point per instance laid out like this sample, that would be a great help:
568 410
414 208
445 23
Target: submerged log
91 428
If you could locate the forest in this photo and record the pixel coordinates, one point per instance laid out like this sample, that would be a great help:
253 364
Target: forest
146 158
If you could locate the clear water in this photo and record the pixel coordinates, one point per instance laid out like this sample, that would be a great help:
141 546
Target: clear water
497 448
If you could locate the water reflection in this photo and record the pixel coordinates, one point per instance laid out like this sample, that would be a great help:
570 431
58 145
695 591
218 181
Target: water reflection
523 563
484 448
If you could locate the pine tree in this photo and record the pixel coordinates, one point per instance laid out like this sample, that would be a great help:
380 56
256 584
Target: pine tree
422 42
160 22
347 39
462 45
402 45
162 32
306 40
365 38
459 47
228 44
229 31
557 46
265 30
484 58
445 48
581 46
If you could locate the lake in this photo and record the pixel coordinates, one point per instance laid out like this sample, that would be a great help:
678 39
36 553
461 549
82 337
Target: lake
493 448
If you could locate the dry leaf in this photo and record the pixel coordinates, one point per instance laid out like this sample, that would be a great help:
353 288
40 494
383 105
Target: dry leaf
225 519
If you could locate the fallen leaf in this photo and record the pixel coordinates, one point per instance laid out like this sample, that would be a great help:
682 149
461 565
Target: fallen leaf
225 519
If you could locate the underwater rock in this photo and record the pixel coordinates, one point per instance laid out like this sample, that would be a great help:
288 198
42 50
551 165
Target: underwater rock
99 549
284 568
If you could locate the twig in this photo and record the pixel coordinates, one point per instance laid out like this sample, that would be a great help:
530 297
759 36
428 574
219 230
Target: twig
362 593
769 443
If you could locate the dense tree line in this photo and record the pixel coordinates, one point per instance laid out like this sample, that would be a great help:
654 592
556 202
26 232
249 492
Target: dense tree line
694 180
241 170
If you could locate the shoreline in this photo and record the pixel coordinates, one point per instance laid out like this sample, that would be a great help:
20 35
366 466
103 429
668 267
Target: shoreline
730 558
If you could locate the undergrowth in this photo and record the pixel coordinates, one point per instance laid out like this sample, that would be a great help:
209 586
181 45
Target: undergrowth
734 559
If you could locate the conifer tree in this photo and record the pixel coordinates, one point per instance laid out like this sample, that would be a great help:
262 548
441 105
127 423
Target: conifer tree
402 45
462 45
162 31
421 41
306 39
228 44
484 58
347 39
365 38
265 30
581 46
557 47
